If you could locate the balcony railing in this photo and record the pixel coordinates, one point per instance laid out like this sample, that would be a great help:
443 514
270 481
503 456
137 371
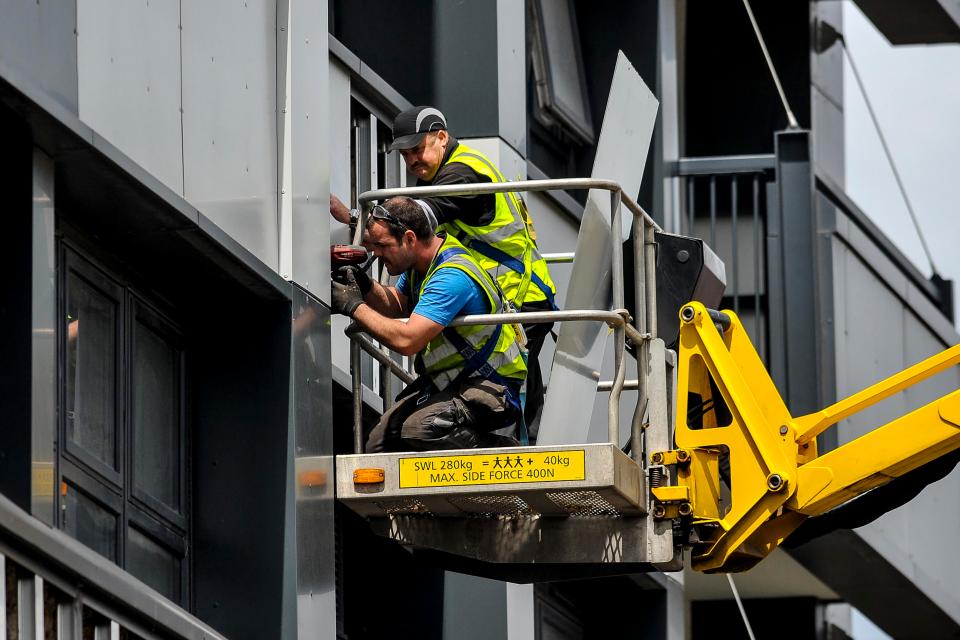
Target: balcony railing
55 587
724 201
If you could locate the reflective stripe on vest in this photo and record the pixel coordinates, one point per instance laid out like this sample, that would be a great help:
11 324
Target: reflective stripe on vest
453 352
510 233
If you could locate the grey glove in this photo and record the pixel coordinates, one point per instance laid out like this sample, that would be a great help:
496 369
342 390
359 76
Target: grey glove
345 296
343 274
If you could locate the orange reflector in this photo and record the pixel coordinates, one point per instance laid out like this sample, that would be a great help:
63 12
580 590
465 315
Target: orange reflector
367 476
63 488
316 478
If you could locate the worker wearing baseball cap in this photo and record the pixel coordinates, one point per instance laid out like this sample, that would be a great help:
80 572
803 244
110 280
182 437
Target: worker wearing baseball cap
496 227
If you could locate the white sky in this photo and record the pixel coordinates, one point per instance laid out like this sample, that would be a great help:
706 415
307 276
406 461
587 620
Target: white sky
915 92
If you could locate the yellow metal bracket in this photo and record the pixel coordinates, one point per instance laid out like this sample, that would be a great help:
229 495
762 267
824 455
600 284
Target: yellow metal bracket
729 414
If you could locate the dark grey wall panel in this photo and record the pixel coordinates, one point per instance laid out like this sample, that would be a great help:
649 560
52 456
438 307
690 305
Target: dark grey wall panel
797 247
15 303
38 42
465 63
241 395
473 608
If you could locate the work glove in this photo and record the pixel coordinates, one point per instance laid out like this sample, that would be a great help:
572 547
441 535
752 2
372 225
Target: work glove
345 296
359 276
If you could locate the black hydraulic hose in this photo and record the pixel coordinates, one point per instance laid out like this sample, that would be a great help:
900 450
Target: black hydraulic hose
875 503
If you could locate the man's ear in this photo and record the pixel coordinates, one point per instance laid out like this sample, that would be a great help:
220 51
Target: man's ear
442 136
409 237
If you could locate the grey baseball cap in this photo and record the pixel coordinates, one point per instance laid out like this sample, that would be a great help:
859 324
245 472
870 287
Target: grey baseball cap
411 125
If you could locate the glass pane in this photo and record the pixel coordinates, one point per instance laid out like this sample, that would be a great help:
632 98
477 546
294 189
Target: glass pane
156 417
153 564
91 370
90 523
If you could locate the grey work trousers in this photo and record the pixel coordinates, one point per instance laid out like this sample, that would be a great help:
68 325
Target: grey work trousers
455 418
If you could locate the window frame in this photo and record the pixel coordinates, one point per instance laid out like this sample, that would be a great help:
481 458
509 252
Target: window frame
115 491
97 279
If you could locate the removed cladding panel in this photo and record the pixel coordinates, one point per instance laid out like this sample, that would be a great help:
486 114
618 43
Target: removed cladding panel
621 155
230 119
128 68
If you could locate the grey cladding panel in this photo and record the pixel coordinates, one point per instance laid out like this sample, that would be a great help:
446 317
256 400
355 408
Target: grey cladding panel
37 40
313 423
128 64
311 158
229 119
878 335
869 340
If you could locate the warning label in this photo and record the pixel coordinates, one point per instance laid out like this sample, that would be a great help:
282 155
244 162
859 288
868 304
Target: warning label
491 468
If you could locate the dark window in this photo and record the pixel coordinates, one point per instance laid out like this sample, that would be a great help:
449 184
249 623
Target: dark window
123 466
90 522
92 349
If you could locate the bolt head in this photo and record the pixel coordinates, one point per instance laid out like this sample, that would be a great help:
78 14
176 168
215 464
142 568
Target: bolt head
783 429
775 482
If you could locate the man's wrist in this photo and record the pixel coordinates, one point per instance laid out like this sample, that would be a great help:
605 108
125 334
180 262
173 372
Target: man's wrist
352 311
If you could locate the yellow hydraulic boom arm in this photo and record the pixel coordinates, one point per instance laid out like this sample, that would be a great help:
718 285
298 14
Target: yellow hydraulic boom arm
728 410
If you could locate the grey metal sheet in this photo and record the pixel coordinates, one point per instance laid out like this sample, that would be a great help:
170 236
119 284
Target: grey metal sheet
311 159
621 155
229 119
128 66
38 39
313 467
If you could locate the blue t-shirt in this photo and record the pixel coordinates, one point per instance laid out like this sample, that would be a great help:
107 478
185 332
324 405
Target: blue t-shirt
449 293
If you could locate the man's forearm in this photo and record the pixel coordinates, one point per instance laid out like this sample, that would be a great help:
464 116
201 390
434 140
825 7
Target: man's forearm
384 300
395 333
338 210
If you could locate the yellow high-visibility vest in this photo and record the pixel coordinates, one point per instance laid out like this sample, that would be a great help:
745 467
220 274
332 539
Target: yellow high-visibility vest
506 247
446 356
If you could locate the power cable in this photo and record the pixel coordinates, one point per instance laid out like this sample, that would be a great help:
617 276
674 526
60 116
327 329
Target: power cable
743 612
830 33
791 119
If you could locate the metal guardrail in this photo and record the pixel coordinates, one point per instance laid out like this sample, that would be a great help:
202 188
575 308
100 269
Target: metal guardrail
721 196
64 590
644 318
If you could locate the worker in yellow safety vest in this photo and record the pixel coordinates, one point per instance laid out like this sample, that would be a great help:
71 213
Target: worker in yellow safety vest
470 376
496 227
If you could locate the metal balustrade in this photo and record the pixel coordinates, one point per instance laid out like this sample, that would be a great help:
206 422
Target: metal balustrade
639 328
53 586
725 202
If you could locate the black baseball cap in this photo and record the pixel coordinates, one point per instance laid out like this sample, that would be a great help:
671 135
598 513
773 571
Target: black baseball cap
411 125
